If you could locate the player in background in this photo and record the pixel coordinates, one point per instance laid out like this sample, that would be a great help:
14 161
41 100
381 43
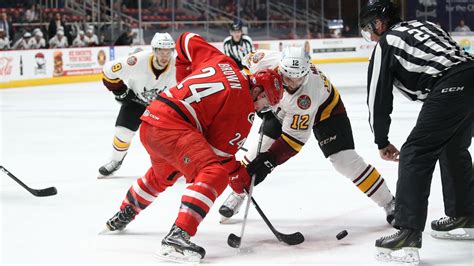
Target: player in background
238 45
195 129
135 81
423 62
310 104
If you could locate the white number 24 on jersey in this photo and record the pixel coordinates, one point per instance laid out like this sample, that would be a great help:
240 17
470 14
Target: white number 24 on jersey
201 90
240 143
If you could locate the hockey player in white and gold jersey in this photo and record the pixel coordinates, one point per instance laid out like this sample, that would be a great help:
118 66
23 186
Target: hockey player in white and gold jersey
135 81
310 104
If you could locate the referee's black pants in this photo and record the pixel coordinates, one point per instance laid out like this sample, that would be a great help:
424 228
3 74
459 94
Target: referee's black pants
442 132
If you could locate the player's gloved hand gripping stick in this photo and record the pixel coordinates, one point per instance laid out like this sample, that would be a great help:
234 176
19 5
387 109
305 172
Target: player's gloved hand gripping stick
235 241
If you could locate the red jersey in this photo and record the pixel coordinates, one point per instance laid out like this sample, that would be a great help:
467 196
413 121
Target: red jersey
215 98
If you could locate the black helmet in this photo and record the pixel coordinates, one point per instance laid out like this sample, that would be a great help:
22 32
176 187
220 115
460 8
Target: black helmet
384 10
237 25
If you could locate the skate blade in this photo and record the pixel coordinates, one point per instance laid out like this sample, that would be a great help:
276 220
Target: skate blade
224 220
457 234
410 256
103 176
105 231
169 253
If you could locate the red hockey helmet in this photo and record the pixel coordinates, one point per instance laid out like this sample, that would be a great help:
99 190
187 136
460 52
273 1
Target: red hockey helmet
271 83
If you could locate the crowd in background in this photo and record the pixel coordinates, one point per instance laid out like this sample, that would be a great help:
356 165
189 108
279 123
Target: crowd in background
37 28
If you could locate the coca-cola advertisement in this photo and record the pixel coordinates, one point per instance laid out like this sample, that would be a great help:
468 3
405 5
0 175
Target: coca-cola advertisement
6 67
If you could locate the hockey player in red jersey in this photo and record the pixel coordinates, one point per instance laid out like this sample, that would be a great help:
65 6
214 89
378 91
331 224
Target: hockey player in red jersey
195 129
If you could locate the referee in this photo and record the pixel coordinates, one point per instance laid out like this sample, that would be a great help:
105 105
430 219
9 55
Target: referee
237 45
425 64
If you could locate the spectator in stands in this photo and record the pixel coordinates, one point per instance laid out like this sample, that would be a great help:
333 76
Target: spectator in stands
4 41
55 24
37 42
68 30
23 43
462 27
79 41
6 24
31 14
261 12
58 41
307 50
91 39
347 31
125 39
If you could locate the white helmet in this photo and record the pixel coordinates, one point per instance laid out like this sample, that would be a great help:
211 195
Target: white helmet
294 63
162 41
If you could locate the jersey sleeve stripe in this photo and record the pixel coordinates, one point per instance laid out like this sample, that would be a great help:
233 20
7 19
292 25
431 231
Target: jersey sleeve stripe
181 47
292 142
109 80
186 45
174 107
328 110
323 106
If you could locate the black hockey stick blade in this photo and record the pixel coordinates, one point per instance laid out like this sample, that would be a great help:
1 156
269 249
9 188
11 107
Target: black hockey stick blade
45 192
50 191
291 239
234 241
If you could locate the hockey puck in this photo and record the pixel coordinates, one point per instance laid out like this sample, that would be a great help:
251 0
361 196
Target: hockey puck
341 235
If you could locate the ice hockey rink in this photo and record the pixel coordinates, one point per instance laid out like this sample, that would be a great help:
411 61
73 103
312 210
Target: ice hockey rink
59 135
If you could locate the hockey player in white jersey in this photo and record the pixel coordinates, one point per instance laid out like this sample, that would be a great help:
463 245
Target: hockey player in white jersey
135 81
310 104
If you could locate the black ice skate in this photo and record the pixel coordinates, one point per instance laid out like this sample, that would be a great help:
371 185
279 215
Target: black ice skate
176 246
109 168
121 219
231 206
453 228
390 211
407 240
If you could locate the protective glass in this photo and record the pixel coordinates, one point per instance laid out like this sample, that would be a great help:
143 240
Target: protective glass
367 32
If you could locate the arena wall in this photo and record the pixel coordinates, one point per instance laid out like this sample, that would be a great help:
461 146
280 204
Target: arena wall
24 68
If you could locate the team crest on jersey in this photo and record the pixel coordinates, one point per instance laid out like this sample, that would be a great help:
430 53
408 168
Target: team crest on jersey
304 102
186 159
251 117
257 57
132 60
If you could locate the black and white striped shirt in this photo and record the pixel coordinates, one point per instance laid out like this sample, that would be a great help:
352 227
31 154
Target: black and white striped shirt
238 50
411 56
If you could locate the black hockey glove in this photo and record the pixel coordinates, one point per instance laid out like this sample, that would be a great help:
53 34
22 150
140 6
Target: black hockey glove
129 96
261 166
267 111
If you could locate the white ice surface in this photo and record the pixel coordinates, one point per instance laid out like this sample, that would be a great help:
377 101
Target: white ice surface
59 135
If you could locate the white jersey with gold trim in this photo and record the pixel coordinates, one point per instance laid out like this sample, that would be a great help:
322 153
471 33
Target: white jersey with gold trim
136 72
298 111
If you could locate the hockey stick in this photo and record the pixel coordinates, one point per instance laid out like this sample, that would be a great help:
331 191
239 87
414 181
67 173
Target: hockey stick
289 239
50 191
233 240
